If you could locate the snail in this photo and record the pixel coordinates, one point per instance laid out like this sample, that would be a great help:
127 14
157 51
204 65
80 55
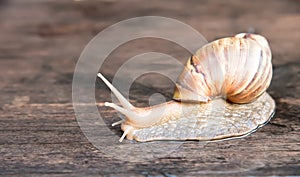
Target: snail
220 94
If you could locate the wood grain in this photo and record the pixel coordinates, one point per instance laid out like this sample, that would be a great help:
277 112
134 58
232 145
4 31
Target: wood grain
41 41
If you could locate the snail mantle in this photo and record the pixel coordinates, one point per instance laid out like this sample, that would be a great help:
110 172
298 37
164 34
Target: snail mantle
220 94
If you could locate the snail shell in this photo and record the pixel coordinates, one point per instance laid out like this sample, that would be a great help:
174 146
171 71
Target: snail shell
238 69
219 94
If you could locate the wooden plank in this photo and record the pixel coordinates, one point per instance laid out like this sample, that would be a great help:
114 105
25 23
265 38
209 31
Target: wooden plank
40 43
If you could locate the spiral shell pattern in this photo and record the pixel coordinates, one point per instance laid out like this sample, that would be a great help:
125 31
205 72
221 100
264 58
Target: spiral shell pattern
238 69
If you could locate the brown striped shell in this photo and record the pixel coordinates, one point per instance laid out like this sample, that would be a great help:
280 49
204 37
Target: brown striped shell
237 68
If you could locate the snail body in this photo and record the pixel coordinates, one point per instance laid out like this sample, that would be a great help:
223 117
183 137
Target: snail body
219 94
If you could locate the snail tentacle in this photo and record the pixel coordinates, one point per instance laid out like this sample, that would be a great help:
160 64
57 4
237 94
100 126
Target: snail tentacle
137 117
117 123
122 110
125 133
120 97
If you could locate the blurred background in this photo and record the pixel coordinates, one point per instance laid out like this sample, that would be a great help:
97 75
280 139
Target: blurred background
40 37
41 41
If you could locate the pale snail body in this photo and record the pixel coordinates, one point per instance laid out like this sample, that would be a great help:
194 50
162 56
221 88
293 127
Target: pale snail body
236 69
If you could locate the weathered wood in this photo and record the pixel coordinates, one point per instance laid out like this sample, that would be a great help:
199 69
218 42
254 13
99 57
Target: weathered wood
40 43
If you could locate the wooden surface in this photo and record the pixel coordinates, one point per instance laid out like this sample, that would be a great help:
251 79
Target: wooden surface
40 42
